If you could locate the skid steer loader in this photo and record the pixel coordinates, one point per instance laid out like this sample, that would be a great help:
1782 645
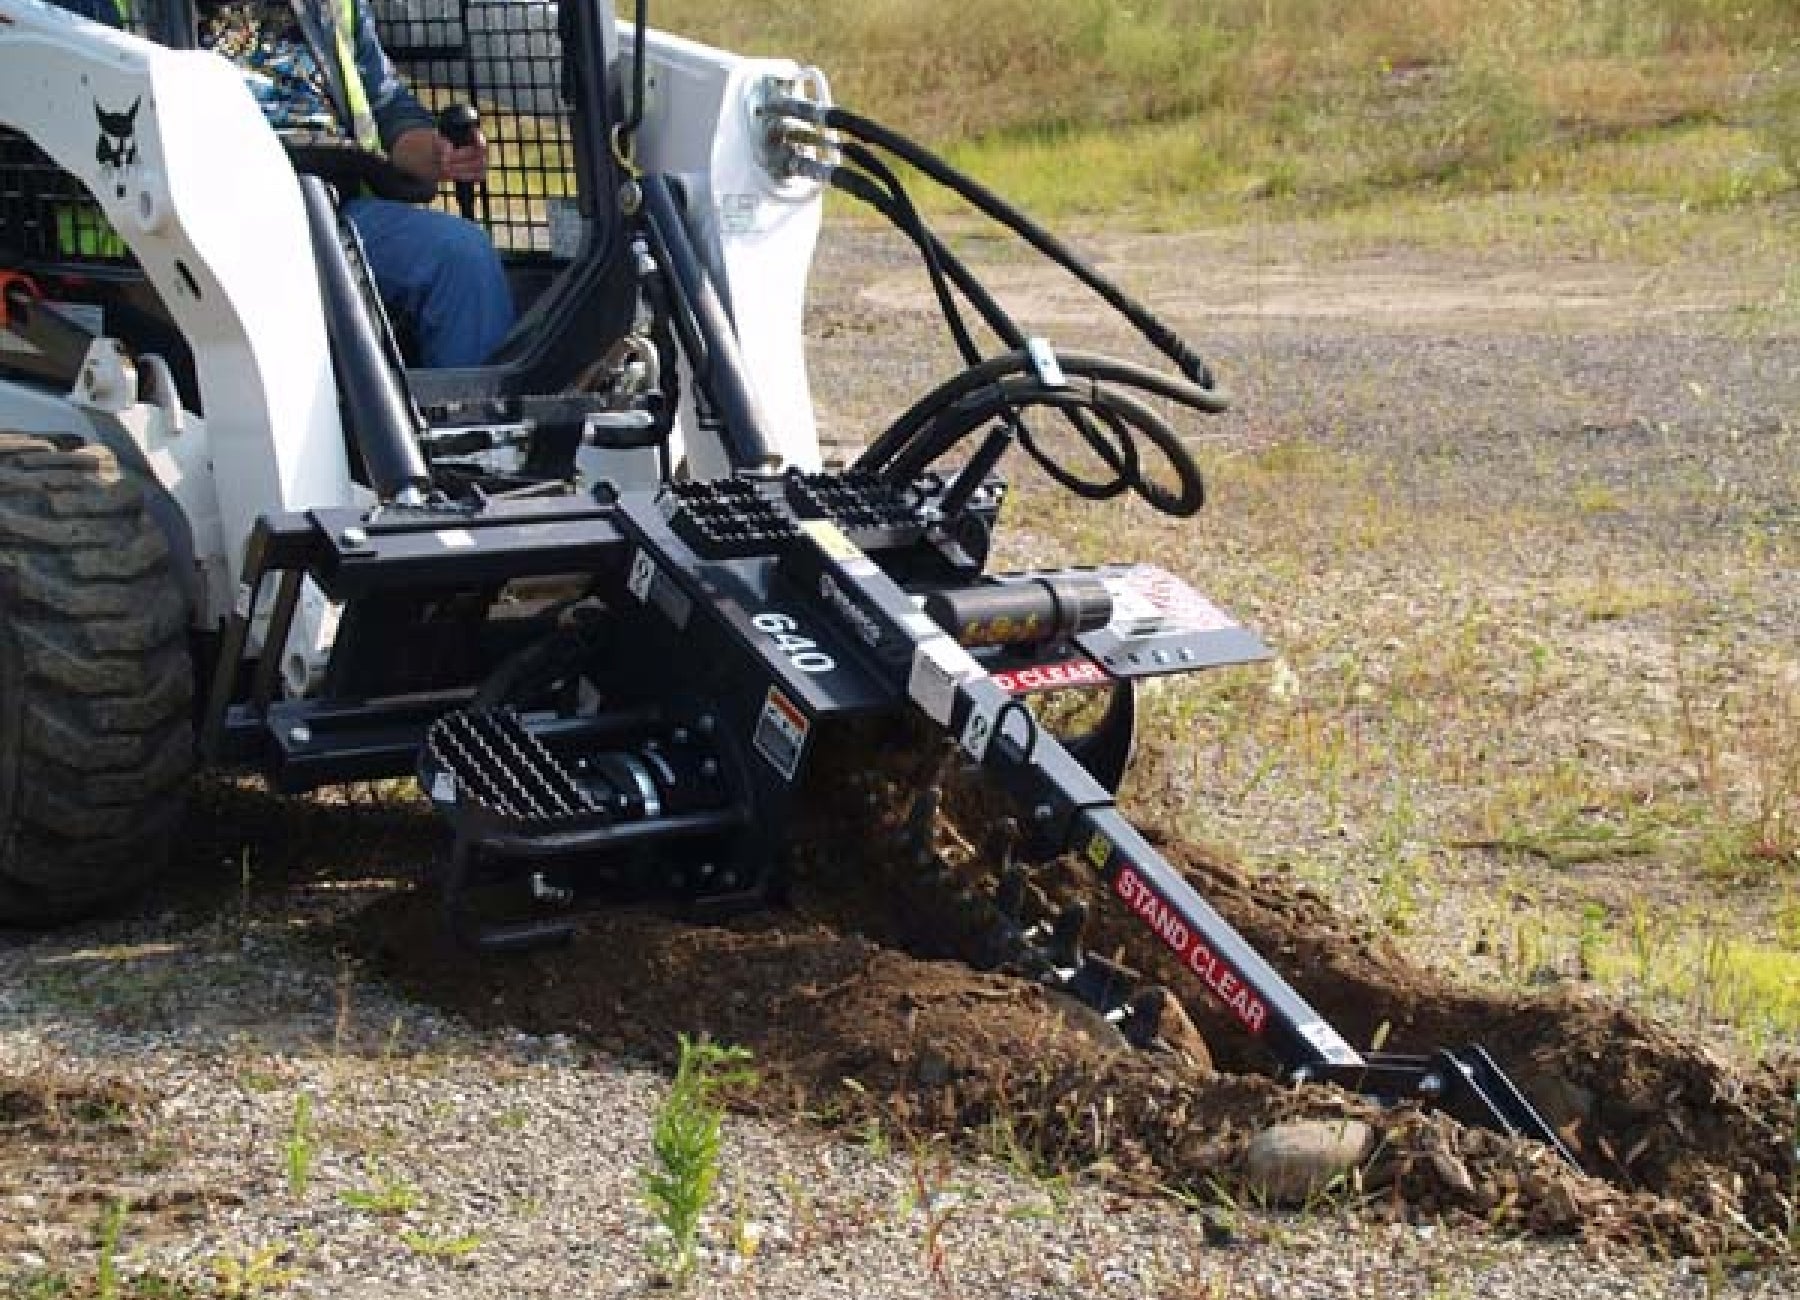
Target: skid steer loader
600 595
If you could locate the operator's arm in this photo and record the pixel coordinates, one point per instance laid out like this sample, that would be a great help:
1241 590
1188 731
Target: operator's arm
408 131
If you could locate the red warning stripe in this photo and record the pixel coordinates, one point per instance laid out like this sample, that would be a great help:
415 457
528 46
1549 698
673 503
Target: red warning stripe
1069 674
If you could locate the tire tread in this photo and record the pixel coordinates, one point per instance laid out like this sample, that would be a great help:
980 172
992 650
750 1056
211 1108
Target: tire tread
96 685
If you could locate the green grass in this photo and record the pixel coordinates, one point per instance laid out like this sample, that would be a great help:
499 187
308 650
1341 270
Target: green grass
1704 973
686 1141
298 1150
252 1272
1175 109
386 1197
450 1247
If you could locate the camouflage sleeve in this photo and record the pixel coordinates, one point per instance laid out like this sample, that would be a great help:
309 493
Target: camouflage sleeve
396 109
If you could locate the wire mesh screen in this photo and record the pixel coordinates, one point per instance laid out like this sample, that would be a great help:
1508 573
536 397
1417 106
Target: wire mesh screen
47 217
504 58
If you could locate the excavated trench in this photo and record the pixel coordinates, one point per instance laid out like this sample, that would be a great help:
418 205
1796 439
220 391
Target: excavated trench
860 1005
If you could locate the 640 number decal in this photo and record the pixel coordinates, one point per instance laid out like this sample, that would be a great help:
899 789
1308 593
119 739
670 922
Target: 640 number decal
801 650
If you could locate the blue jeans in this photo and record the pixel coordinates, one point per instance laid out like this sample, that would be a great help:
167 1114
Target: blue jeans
442 272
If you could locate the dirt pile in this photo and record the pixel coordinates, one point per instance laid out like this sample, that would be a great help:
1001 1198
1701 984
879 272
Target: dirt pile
859 1005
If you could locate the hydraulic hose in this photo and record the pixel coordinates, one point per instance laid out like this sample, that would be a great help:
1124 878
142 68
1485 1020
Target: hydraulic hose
882 190
1124 416
1088 392
1093 384
877 185
1160 336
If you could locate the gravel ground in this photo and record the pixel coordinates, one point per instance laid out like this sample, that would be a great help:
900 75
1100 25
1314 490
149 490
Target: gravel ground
510 1165
511 1168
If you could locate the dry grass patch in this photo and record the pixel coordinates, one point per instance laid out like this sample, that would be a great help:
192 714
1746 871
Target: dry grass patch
1179 108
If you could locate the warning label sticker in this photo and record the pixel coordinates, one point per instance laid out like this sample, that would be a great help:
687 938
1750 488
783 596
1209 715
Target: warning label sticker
978 731
831 539
1070 674
781 733
1147 599
648 584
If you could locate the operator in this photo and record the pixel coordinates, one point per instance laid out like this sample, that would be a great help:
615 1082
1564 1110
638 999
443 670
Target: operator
317 70
436 268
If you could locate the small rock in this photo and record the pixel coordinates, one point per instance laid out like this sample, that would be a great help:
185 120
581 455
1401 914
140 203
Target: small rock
1284 682
1453 1174
1292 1163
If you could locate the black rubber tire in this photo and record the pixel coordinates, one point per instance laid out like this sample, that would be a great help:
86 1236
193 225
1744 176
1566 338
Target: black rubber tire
96 683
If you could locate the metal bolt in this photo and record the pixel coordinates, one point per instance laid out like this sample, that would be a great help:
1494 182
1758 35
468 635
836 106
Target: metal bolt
679 735
355 537
728 880
1431 1085
705 724
710 767
300 735
1043 813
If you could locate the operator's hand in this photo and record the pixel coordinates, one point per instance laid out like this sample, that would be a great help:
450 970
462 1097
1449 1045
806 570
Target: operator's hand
468 163
425 153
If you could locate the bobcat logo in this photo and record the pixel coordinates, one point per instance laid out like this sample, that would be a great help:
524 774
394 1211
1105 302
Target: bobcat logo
116 149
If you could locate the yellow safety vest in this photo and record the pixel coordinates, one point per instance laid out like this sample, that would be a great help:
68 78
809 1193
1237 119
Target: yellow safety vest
362 121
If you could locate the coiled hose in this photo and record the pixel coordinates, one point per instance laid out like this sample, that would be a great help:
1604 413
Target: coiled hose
1093 393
